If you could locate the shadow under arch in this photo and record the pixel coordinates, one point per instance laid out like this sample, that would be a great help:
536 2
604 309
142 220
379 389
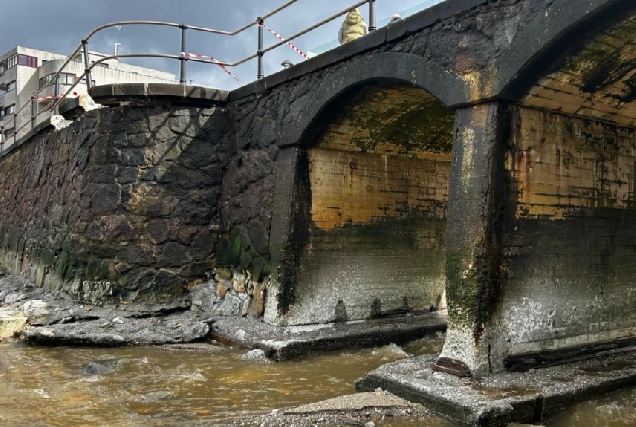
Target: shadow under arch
405 69
551 38
368 206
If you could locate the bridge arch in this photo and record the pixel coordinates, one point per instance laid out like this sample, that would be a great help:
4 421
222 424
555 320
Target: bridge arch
570 168
368 217
546 43
406 69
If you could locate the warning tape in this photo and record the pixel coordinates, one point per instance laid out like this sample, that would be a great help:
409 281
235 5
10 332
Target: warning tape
283 39
199 56
54 97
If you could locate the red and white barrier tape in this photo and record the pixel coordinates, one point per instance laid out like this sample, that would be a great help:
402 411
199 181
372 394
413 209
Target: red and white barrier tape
72 94
223 67
287 43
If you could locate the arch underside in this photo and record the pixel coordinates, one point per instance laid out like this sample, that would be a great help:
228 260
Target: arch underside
570 240
377 174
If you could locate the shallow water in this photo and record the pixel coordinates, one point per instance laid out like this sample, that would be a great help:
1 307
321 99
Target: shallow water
45 386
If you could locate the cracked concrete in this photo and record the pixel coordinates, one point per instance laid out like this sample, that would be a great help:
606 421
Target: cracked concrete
504 397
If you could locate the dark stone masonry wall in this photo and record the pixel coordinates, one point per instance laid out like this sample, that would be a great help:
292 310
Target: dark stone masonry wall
123 203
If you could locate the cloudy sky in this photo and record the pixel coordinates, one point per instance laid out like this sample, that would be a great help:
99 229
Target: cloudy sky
59 25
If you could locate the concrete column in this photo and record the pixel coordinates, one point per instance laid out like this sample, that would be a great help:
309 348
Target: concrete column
290 206
472 241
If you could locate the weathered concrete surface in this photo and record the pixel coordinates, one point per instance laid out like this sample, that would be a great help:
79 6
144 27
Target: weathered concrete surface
120 331
284 343
472 248
361 409
371 192
502 398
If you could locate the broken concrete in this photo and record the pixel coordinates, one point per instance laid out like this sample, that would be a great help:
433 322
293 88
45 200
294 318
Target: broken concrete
172 329
504 397
360 409
284 343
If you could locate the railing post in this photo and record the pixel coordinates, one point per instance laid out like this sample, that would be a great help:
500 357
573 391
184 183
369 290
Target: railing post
89 80
56 111
1 139
15 127
183 58
372 15
34 112
261 73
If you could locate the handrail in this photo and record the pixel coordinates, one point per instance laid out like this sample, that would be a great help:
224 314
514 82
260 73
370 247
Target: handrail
183 57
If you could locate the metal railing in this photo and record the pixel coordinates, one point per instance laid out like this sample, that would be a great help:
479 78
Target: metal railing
183 57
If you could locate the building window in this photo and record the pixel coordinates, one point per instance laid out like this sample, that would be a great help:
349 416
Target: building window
9 110
8 133
29 61
83 81
101 64
44 80
65 79
11 86
18 59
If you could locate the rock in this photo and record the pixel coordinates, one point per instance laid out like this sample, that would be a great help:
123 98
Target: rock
255 355
239 282
222 289
11 323
244 308
231 306
173 255
222 274
35 310
88 103
59 122
370 424
204 296
117 321
96 368
258 304
14 297
158 231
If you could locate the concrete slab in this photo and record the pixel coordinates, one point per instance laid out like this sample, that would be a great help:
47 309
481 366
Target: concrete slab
505 397
284 343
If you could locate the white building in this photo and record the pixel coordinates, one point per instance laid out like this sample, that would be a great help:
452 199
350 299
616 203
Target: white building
24 71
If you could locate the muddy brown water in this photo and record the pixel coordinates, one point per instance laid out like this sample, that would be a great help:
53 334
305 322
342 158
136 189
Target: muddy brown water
45 386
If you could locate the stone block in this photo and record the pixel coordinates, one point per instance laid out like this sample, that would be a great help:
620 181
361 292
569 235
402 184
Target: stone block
230 307
222 289
239 282
258 303
11 322
35 310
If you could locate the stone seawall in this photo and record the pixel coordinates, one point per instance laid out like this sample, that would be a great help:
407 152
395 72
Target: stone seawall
121 204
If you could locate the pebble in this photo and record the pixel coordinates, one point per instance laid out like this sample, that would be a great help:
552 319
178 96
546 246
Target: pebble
95 368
